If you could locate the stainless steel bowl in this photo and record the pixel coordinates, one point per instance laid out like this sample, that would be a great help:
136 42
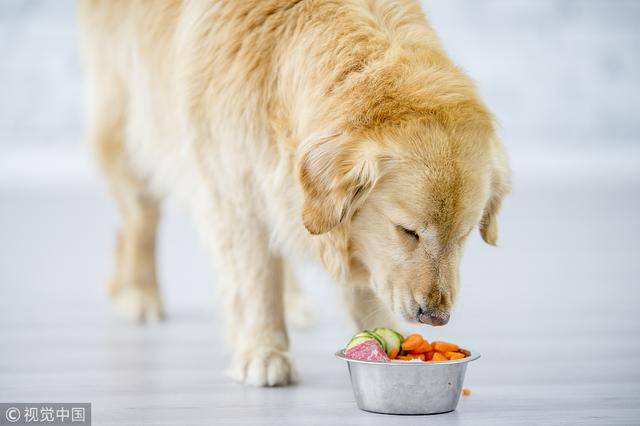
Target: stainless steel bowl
408 387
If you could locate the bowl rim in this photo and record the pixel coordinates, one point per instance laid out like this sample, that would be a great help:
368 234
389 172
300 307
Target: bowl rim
473 355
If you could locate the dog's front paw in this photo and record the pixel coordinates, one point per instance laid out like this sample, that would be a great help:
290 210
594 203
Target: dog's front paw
137 304
263 367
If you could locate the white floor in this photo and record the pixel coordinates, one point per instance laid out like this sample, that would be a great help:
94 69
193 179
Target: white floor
554 311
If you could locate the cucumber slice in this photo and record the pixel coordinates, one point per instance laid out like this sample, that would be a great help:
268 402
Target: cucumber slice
380 339
370 335
357 340
393 339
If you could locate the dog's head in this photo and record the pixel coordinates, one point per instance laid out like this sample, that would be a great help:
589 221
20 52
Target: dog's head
407 197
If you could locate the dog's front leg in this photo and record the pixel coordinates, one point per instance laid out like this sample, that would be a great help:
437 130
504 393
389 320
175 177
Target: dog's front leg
251 280
365 308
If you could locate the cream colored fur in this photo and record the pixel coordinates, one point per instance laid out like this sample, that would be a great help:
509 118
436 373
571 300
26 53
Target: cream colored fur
290 128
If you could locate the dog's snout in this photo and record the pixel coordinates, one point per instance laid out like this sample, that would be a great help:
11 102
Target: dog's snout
432 317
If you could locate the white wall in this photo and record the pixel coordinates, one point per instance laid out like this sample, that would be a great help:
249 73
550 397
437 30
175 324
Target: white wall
40 75
556 72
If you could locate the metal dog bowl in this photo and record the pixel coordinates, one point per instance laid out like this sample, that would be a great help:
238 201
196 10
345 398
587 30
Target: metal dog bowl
408 387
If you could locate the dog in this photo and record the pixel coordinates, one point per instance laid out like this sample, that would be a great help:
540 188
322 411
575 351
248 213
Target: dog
337 130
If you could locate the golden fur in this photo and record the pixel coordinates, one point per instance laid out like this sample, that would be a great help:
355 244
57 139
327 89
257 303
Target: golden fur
334 129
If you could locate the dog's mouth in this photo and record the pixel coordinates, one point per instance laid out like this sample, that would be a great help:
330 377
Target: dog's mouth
432 317
411 310
429 316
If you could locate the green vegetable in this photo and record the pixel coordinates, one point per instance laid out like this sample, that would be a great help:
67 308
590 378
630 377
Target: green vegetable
355 341
393 339
367 335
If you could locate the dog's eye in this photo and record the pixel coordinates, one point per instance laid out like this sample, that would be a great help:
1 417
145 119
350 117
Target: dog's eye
410 233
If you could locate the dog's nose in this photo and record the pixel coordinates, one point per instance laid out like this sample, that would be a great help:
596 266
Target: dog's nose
432 317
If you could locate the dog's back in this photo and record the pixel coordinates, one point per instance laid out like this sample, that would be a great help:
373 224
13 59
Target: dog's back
239 73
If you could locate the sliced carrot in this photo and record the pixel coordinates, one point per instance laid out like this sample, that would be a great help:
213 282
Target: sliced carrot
466 392
454 355
439 357
424 347
411 357
444 347
412 341
394 353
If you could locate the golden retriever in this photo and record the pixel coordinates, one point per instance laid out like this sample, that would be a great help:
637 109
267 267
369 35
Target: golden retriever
334 129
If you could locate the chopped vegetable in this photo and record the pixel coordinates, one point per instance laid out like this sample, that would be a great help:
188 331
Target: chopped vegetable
370 335
394 353
444 347
412 341
466 392
385 344
411 357
392 340
437 356
422 348
454 355
356 340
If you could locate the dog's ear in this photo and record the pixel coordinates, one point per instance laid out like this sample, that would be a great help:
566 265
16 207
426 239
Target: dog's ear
500 186
336 173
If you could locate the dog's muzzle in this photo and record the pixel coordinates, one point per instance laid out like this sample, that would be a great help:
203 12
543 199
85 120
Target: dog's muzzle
432 317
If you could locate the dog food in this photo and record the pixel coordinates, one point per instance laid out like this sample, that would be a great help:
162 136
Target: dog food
385 344
367 350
